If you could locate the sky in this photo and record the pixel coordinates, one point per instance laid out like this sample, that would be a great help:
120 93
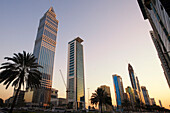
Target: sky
114 34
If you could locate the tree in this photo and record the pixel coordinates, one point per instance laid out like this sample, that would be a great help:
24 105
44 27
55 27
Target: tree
22 70
100 97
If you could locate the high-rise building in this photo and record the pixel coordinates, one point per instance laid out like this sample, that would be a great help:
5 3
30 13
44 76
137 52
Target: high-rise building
153 101
140 91
119 91
158 12
146 95
160 103
133 81
107 90
131 94
44 51
75 75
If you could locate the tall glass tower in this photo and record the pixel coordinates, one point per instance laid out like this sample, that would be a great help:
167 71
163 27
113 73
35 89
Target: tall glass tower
119 91
75 75
133 81
44 51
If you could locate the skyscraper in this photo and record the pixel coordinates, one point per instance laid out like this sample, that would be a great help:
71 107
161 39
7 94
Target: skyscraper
44 51
140 91
146 95
153 101
131 94
133 81
160 103
119 91
107 90
158 12
75 75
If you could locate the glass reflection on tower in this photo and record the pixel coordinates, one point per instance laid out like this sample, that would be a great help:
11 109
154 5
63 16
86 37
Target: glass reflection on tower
75 75
44 51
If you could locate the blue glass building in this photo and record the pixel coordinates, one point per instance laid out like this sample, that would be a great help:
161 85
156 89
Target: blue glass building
119 91
75 75
44 51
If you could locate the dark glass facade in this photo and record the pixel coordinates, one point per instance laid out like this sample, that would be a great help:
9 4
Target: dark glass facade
75 75
44 51
133 81
157 12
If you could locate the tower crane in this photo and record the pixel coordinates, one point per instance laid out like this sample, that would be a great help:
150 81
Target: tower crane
63 80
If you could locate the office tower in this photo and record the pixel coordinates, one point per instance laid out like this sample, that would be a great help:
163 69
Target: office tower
153 101
131 94
140 91
158 12
75 75
133 81
127 96
44 51
107 90
119 91
146 95
160 103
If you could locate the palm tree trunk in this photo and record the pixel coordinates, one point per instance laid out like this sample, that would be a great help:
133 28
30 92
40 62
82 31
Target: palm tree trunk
15 98
101 107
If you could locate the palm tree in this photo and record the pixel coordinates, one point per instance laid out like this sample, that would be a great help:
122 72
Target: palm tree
20 71
100 97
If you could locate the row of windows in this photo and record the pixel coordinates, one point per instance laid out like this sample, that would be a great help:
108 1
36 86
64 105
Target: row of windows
49 34
72 50
71 68
52 20
71 74
71 63
71 56
72 53
71 88
160 21
48 20
51 28
72 71
72 60
72 45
